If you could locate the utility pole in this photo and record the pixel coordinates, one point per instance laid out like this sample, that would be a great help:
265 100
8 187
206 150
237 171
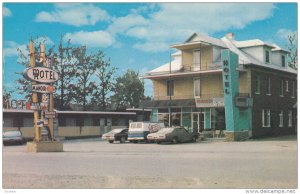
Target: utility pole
170 90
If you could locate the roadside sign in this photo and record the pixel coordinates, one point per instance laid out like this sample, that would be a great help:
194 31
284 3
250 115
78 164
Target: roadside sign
50 114
40 123
41 74
43 88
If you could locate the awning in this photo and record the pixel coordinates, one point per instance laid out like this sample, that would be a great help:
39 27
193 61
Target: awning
168 103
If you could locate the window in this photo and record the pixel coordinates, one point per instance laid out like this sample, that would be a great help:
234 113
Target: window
268 86
197 60
266 117
281 119
287 86
281 88
170 87
197 87
293 89
267 56
283 61
290 119
257 85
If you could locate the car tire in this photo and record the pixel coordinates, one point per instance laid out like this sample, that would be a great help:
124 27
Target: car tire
111 141
122 140
158 142
135 141
175 140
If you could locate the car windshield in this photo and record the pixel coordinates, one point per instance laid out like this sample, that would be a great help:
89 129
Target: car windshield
11 134
116 130
166 130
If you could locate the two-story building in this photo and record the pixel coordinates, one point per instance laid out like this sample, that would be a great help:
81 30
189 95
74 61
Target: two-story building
192 89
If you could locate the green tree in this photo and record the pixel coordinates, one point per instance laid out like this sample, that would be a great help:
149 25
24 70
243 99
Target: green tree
6 97
85 69
105 74
293 49
129 90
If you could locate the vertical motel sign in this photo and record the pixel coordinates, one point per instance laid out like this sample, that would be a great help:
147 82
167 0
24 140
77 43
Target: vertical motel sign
231 87
41 79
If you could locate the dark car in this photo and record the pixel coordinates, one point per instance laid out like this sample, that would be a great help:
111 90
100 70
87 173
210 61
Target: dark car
173 135
12 137
116 135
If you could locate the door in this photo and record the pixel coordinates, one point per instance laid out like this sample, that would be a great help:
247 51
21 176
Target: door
198 122
197 57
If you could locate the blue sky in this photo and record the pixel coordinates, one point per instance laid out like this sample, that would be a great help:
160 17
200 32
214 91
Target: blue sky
137 35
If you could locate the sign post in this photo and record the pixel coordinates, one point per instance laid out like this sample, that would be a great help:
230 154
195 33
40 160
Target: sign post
42 98
37 130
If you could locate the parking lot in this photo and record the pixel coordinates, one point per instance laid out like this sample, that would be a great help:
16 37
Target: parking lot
93 163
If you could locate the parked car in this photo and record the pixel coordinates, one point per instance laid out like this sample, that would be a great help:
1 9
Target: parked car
138 131
12 137
116 135
173 135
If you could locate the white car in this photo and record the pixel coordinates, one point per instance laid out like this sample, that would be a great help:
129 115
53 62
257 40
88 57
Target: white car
12 137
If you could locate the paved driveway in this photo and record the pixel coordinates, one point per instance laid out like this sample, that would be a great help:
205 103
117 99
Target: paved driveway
268 163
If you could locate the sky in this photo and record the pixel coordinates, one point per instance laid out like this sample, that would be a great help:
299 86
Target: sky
137 35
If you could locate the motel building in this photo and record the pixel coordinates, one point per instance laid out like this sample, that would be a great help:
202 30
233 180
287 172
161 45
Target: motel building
240 89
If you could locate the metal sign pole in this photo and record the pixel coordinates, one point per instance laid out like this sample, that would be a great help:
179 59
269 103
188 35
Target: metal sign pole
34 96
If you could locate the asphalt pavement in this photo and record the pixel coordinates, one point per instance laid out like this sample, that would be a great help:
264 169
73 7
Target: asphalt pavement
93 163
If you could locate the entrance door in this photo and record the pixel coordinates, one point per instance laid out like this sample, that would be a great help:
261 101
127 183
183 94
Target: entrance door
198 122
197 57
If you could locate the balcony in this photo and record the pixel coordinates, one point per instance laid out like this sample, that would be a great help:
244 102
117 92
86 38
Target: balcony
178 69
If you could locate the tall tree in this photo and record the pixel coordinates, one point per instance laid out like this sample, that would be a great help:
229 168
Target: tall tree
85 69
129 90
105 74
63 63
6 97
293 49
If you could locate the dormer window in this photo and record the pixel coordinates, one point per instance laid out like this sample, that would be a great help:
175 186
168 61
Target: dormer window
267 55
283 61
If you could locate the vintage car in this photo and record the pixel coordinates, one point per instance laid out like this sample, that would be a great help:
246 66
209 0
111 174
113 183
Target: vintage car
116 135
173 135
12 137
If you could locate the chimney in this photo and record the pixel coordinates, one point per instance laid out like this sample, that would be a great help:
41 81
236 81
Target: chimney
230 35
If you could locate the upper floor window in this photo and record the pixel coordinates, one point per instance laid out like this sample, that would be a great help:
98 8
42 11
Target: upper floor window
267 55
293 89
287 86
257 84
268 86
197 87
283 61
281 88
170 87
197 60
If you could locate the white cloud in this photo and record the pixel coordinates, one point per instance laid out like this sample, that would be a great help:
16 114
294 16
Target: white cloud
74 14
91 39
174 22
122 24
284 33
11 49
6 12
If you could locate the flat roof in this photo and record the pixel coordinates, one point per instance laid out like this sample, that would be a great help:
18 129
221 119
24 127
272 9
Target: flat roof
71 112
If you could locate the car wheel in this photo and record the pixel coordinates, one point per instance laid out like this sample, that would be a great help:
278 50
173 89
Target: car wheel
111 141
174 140
122 140
158 142
135 141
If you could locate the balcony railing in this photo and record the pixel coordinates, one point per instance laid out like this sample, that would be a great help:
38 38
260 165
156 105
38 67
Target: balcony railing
190 68
178 97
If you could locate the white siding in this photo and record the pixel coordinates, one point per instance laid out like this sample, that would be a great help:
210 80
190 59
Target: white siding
256 52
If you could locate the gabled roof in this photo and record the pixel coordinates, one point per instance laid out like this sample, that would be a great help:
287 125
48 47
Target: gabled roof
277 48
251 43
196 37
